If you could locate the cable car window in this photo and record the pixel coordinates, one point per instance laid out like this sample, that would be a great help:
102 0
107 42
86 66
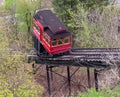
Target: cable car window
46 38
66 40
37 27
54 42
60 41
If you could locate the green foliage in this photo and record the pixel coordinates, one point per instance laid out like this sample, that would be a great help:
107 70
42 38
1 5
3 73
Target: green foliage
15 78
63 9
9 4
103 93
19 87
87 32
25 10
24 6
93 28
92 4
22 12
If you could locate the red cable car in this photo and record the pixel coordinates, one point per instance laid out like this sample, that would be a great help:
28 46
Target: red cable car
50 33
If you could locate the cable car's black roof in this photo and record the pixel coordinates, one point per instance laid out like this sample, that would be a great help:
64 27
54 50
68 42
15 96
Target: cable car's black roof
52 25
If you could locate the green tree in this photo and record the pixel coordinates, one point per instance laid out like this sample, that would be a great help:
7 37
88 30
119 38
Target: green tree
25 10
21 14
63 10
102 93
92 4
15 78
22 10
97 28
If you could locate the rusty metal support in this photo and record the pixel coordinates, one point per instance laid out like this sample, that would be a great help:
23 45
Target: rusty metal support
88 76
96 79
48 79
69 79
33 66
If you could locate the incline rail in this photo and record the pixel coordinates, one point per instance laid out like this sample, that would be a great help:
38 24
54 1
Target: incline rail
87 57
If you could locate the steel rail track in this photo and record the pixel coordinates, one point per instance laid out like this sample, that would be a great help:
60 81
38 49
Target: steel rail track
91 57
95 49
